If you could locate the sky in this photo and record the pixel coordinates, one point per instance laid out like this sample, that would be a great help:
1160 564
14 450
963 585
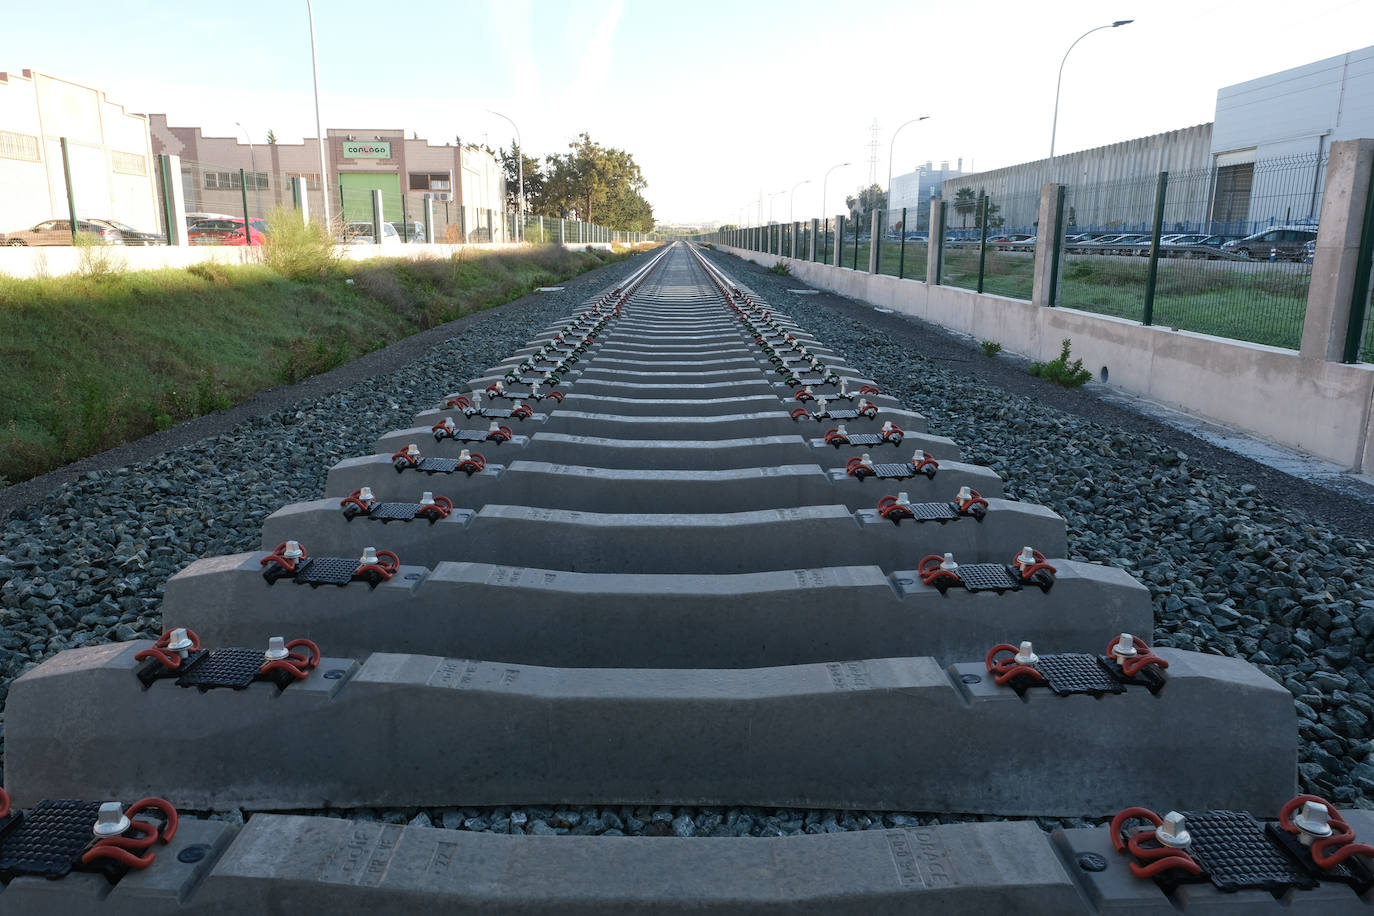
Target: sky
734 109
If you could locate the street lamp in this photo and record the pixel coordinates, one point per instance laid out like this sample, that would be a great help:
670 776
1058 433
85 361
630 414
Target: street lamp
824 183
770 203
889 158
792 198
520 164
252 164
1054 125
319 131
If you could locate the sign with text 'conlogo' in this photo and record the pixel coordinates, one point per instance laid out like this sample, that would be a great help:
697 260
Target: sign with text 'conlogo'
371 149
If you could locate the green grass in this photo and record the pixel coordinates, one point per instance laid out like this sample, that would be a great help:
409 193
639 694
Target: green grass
1004 273
92 362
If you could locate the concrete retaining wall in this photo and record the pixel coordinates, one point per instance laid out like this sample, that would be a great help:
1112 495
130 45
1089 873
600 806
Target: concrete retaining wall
1320 407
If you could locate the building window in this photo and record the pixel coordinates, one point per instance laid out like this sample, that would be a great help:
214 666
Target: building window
128 163
312 181
229 181
18 146
430 181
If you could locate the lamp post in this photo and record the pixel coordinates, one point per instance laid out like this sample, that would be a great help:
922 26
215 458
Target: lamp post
772 195
889 157
1054 125
319 131
792 199
252 164
825 186
520 165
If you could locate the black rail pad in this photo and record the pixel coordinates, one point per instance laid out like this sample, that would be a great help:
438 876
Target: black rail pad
326 571
48 840
895 471
468 435
504 414
934 512
1236 853
988 577
437 465
233 668
869 439
390 512
838 415
1073 672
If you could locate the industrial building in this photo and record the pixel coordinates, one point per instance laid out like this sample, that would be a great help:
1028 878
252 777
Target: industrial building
915 190
464 181
109 152
1261 162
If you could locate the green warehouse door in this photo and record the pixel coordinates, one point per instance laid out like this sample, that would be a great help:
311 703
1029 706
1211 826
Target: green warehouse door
357 196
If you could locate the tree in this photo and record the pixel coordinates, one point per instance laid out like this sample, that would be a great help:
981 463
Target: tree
964 204
601 184
271 137
534 179
861 208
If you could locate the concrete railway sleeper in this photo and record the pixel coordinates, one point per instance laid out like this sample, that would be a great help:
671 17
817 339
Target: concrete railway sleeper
552 617
714 605
1019 734
301 864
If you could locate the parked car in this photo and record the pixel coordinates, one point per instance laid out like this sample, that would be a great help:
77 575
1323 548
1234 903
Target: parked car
1286 241
413 231
1309 251
131 235
360 233
59 232
225 232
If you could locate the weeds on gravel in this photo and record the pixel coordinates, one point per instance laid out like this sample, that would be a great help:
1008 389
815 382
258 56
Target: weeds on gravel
781 269
1060 370
990 348
95 361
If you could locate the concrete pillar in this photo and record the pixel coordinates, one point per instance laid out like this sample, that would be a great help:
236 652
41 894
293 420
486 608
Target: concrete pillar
429 218
873 242
811 248
176 202
377 216
936 241
300 199
1050 222
1332 289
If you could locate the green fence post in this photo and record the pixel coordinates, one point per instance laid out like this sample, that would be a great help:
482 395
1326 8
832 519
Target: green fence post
1359 301
247 220
940 251
1153 270
875 243
342 218
901 250
982 238
164 165
1057 250
67 177
825 242
405 220
855 265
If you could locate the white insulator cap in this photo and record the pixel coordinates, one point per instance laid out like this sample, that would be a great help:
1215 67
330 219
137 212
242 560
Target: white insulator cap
1026 557
841 431
493 427
964 493
820 404
808 390
477 399
276 645
1171 833
844 385
110 820
1314 820
866 461
918 456
293 550
447 423
369 555
427 498
887 426
179 642
464 455
413 450
948 562
1125 647
366 494
499 387
1026 654
903 499
534 389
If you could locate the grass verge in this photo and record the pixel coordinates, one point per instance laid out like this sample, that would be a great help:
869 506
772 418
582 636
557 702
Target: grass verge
95 360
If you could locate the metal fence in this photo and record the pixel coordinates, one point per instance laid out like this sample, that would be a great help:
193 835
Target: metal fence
216 192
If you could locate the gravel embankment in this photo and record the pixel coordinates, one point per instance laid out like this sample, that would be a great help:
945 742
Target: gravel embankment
1232 567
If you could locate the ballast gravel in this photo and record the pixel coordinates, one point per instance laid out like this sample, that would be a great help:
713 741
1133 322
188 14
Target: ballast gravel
1231 570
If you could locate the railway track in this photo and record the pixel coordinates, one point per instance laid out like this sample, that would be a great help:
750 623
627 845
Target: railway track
673 552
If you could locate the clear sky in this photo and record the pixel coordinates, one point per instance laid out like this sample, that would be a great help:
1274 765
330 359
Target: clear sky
719 102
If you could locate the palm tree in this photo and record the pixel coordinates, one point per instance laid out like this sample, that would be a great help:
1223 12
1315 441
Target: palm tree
964 204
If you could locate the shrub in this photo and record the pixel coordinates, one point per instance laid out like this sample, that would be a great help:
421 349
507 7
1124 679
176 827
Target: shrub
990 348
1060 370
96 260
781 269
211 272
297 249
